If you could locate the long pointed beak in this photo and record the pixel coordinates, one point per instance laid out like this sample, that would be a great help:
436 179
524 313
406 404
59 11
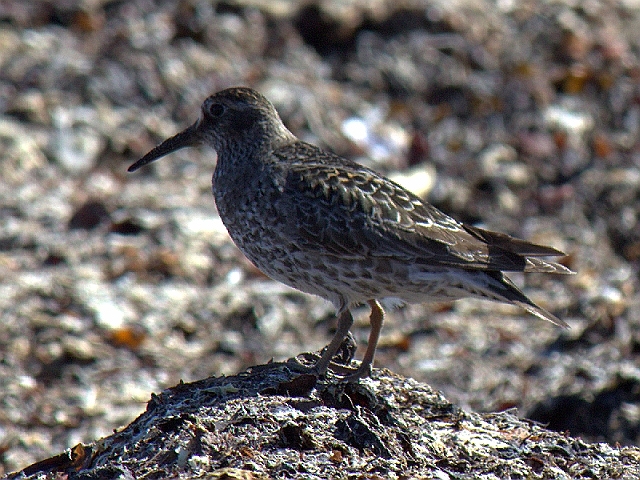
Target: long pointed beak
189 137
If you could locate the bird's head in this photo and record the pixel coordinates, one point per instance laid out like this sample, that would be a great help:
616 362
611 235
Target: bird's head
236 119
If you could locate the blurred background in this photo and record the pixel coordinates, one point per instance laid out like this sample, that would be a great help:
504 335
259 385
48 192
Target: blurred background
523 117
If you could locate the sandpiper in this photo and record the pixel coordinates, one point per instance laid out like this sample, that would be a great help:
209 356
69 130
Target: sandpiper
331 227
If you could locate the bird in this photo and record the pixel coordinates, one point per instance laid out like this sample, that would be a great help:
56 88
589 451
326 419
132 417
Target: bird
329 226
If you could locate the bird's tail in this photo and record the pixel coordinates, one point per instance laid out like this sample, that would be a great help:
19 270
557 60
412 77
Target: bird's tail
534 264
500 288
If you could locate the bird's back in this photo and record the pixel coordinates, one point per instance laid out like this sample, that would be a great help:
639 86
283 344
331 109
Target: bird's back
339 207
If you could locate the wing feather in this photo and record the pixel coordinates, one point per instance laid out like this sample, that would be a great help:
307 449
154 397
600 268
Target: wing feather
350 211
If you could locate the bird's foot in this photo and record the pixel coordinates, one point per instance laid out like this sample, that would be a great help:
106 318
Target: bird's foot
311 363
342 373
363 371
317 365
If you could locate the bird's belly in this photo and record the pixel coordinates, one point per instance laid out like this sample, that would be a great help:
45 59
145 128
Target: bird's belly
303 273
349 282
257 230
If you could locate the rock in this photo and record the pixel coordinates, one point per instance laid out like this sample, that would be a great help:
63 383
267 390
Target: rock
268 422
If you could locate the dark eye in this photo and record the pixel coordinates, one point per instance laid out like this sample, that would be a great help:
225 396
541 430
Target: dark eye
216 110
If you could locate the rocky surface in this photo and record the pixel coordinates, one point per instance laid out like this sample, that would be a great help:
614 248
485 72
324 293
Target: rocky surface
523 118
272 423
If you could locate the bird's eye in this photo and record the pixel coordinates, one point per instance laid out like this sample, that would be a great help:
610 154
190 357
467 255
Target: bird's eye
216 110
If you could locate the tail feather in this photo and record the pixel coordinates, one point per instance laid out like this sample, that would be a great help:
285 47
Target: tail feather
540 312
512 244
545 266
501 288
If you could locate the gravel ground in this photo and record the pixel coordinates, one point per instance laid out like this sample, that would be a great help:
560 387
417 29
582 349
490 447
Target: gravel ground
519 117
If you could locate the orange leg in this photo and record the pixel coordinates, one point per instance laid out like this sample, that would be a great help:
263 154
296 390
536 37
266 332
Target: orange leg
376 319
344 324
345 321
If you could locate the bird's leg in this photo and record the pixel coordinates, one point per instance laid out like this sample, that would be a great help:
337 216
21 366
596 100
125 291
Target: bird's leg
376 319
345 320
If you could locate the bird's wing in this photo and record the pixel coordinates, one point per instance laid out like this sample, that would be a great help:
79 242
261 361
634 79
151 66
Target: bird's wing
344 209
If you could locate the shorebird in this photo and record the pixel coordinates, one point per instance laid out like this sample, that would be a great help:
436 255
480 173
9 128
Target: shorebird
329 226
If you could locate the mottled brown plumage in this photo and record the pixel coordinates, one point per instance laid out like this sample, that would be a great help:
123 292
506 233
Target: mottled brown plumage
331 227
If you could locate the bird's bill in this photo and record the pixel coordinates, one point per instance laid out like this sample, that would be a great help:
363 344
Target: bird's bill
189 137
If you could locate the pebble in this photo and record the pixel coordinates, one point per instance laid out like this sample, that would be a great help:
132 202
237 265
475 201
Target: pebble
76 144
